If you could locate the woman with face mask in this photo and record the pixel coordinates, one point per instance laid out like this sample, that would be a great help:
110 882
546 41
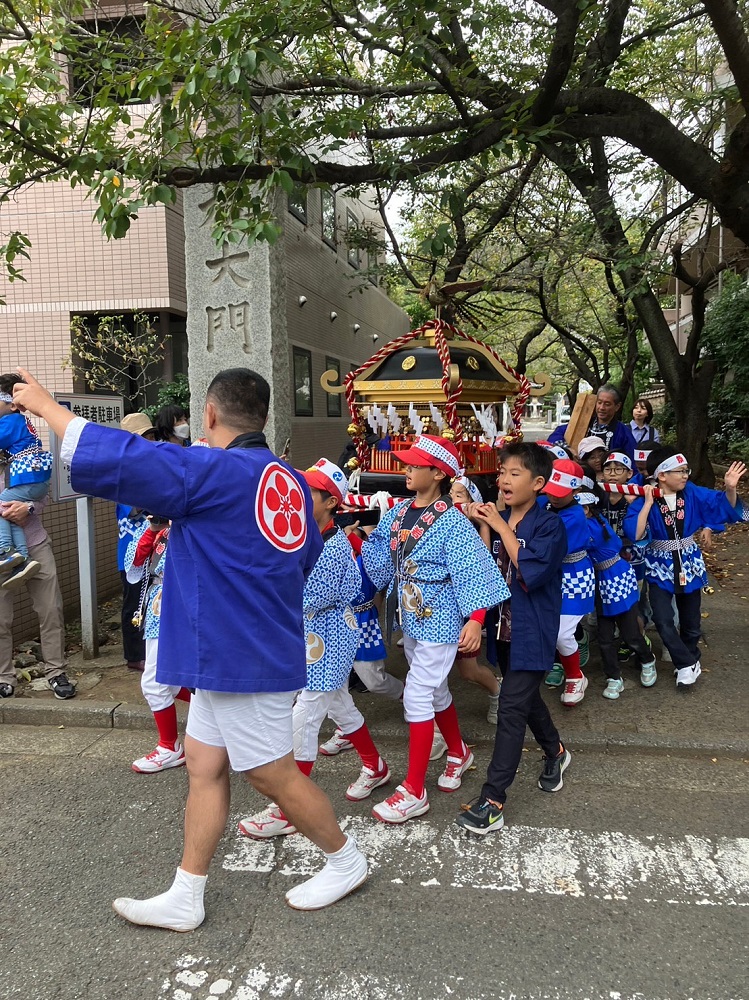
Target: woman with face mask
171 424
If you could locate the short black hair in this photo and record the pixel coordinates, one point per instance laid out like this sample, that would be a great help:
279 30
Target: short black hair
242 397
7 382
166 418
533 457
658 455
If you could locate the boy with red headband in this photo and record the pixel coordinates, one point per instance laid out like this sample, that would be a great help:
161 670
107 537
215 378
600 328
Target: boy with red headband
332 635
442 579
578 576
674 568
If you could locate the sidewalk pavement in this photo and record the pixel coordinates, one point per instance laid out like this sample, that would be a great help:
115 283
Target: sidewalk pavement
711 720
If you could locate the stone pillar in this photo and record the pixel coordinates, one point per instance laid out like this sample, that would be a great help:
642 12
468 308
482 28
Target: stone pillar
236 314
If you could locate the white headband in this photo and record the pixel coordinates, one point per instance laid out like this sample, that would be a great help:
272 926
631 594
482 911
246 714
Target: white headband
555 450
586 498
669 464
641 455
588 482
473 490
565 479
621 458
5 398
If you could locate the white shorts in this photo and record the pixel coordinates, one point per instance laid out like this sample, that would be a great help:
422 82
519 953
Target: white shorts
254 729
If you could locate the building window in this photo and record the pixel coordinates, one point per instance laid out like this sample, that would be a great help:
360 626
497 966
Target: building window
328 213
334 398
372 264
302 382
96 62
352 226
298 203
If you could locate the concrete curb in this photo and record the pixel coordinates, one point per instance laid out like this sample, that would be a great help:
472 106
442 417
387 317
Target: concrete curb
106 715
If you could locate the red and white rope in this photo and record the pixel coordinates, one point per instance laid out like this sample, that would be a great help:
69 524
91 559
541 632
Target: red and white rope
627 490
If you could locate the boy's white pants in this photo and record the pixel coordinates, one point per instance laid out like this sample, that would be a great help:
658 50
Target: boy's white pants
311 707
426 691
158 696
566 641
377 680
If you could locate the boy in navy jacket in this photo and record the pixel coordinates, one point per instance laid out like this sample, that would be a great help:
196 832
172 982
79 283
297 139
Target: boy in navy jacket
532 545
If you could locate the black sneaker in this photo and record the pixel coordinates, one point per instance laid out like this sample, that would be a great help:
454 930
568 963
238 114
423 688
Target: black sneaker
61 687
6 690
481 817
550 779
624 654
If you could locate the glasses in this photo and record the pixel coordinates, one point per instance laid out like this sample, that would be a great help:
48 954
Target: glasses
680 472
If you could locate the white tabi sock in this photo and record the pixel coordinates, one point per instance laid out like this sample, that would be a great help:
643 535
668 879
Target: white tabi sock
178 909
344 871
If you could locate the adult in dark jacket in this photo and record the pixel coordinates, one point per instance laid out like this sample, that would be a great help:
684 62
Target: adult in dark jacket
605 424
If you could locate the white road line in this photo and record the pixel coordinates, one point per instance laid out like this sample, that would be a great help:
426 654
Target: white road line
615 866
261 984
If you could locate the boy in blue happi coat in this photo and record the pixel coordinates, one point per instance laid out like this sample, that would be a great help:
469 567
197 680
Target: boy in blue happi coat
332 638
578 578
529 545
442 579
664 527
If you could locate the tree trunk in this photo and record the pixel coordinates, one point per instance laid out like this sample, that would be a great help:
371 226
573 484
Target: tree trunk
690 408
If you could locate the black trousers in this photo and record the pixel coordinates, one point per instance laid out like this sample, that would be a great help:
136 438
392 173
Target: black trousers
133 643
520 705
682 643
629 630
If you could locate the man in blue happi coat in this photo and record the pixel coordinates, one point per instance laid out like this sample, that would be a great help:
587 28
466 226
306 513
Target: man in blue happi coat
242 543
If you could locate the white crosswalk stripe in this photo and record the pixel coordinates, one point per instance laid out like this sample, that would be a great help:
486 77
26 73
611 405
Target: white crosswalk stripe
606 866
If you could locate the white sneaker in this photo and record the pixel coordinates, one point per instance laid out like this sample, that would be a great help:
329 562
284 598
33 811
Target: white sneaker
367 781
401 806
336 744
160 759
439 745
400 643
574 691
452 777
648 674
613 688
686 676
271 822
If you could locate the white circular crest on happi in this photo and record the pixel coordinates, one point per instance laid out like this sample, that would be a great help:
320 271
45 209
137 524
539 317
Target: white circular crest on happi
315 647
280 510
350 618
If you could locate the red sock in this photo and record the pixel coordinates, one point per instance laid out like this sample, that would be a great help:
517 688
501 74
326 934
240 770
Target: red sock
571 665
305 766
183 694
421 735
447 722
364 746
166 723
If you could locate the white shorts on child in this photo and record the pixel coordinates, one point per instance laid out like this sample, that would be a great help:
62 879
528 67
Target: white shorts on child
254 729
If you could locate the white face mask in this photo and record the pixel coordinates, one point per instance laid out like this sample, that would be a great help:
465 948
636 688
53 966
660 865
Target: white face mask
182 431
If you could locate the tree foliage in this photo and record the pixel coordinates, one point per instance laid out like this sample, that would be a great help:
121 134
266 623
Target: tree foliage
119 353
254 95
726 339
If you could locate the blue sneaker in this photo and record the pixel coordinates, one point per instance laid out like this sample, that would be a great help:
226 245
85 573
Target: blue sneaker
614 688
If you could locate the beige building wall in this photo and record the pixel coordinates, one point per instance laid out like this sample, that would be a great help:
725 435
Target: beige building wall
73 269
323 275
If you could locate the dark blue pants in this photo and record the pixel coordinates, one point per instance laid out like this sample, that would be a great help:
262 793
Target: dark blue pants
682 642
133 643
520 705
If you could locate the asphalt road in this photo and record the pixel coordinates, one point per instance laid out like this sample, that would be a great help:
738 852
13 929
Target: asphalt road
632 882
